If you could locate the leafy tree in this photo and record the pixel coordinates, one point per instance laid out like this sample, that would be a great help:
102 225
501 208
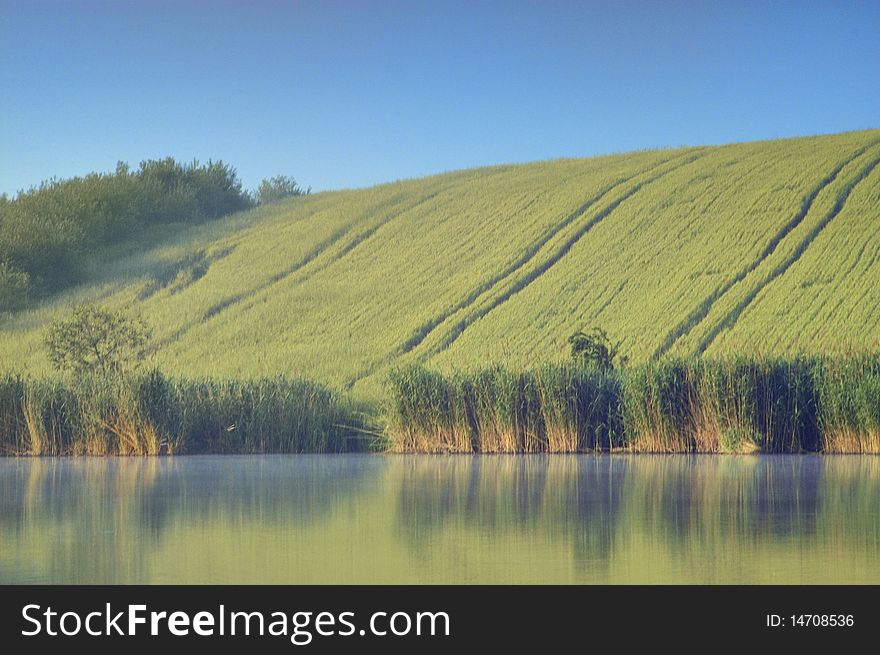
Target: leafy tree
278 188
13 287
95 340
594 348
49 232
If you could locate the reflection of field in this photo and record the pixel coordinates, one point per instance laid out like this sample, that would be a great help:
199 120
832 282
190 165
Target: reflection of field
618 519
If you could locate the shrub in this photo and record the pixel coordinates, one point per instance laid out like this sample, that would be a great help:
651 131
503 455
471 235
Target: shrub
47 231
13 287
94 340
278 188
594 348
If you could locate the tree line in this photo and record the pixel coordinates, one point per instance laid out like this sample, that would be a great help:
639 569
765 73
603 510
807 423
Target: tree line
47 231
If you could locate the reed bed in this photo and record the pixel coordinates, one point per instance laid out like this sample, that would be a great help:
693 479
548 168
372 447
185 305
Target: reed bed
153 415
735 405
849 396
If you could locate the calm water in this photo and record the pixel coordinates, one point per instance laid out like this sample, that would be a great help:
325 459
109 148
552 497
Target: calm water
411 519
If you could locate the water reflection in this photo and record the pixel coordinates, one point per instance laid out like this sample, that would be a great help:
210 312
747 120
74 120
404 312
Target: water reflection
105 520
337 519
575 498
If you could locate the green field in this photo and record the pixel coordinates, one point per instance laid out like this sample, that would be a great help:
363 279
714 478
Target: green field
756 248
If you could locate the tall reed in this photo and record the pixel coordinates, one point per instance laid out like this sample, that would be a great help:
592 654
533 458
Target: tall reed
151 414
849 404
554 409
733 405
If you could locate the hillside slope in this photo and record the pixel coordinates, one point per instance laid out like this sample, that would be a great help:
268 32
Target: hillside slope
770 246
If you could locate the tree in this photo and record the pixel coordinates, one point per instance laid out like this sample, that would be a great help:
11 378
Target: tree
95 340
278 188
48 232
14 285
594 348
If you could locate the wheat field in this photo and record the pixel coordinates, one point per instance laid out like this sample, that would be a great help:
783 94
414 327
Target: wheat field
766 248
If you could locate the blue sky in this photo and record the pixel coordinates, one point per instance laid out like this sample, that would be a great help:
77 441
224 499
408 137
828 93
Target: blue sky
342 94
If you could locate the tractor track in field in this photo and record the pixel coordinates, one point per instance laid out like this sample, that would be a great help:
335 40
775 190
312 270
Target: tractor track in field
733 315
319 250
458 329
702 311
366 234
424 331
531 252
301 263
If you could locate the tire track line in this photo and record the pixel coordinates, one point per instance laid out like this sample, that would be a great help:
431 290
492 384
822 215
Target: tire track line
563 250
422 333
702 311
310 256
351 245
319 250
531 252
733 315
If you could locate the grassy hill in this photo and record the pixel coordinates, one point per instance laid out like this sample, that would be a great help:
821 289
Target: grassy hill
766 247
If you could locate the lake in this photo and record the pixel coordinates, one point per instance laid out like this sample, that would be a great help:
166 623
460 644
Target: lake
441 519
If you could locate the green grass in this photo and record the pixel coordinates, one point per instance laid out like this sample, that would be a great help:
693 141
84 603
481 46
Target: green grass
767 249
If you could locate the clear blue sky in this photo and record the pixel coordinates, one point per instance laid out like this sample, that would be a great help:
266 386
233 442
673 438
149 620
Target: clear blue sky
341 94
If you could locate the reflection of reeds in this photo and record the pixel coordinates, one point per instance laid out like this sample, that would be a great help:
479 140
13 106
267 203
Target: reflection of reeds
619 503
735 405
122 520
500 494
617 518
152 415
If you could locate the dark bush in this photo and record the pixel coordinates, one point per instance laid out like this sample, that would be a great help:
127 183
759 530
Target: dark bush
47 231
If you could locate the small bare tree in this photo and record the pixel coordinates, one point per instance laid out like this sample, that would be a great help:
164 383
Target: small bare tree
95 340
